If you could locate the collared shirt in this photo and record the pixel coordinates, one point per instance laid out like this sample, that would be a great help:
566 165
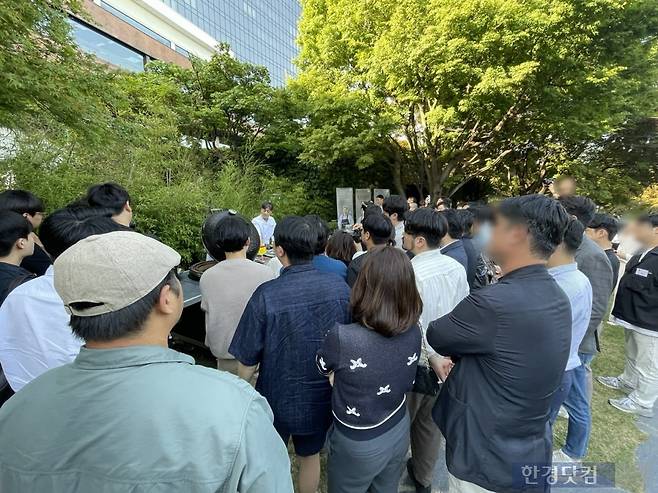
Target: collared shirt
330 265
456 250
35 335
399 235
579 291
225 291
441 282
142 418
282 328
265 228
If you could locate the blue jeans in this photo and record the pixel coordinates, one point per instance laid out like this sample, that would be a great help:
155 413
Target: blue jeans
577 404
561 395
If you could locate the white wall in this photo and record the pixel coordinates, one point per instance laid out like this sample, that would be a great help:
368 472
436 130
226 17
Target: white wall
168 23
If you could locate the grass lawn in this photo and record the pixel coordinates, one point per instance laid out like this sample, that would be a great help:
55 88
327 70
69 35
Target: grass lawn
614 434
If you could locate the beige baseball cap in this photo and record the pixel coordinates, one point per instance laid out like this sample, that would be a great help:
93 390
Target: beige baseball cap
111 271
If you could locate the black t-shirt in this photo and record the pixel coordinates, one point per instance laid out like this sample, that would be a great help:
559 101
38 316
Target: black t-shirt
38 262
11 276
354 268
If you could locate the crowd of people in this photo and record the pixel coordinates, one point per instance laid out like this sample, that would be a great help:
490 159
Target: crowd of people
426 332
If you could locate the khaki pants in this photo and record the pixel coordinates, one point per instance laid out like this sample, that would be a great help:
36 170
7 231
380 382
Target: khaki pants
456 485
641 369
229 365
426 438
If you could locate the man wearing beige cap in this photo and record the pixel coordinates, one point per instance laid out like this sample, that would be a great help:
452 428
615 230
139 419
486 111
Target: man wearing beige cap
130 414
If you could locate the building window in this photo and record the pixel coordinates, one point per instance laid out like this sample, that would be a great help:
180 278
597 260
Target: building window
105 47
183 51
149 32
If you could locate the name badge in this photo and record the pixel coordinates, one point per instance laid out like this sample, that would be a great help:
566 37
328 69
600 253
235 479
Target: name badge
642 272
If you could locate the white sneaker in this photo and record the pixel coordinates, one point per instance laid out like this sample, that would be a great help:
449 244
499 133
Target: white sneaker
614 383
563 413
560 457
629 406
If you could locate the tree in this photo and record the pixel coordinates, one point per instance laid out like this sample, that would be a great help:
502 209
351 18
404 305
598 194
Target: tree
222 103
42 73
481 87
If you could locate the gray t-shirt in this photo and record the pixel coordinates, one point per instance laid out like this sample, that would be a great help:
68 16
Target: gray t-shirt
225 289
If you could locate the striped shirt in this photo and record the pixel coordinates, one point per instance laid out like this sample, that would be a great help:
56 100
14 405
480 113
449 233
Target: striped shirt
442 284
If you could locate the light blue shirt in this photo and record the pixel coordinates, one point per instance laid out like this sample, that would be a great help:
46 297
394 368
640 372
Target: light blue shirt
265 228
140 418
579 291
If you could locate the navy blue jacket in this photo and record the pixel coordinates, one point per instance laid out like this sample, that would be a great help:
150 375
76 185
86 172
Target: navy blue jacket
457 251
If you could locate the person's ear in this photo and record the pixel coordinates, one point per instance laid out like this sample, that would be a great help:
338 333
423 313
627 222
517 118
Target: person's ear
21 243
127 207
280 253
168 301
248 243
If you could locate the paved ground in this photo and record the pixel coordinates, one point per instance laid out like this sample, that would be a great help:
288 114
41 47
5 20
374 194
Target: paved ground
647 453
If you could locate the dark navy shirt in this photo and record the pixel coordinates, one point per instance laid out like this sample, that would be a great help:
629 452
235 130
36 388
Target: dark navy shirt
281 329
10 277
330 266
456 251
372 375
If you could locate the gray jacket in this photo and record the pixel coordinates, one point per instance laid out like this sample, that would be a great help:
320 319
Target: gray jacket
593 262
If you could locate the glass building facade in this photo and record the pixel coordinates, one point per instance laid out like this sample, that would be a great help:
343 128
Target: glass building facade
105 47
261 32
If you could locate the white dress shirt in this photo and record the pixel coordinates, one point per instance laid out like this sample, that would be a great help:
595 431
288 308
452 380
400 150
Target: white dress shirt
442 284
34 332
265 228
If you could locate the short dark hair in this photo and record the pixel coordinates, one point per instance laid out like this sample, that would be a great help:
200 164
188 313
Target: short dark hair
385 297
297 238
429 224
108 195
466 218
573 235
606 222
322 232
21 201
447 201
380 228
123 322
396 204
65 227
267 205
582 207
13 227
650 219
341 247
481 213
454 223
372 209
379 196
232 233
544 217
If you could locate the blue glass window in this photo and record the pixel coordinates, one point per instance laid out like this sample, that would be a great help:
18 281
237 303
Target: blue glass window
105 47
259 31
